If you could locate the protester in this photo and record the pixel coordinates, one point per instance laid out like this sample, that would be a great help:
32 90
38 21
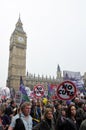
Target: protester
47 123
80 114
10 109
83 125
61 120
24 115
76 101
72 118
36 113
57 113
4 119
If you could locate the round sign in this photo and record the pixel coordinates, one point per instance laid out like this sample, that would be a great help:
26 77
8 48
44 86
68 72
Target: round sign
66 90
38 90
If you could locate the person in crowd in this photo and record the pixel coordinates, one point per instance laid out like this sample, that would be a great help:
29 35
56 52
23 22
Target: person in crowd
50 105
36 112
76 101
80 114
47 123
57 113
24 114
61 120
83 125
43 104
10 109
72 118
4 119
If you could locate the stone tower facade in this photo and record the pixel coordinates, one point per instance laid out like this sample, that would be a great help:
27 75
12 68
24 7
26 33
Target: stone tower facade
17 56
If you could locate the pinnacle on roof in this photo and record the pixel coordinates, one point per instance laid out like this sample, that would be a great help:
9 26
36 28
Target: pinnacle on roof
58 68
19 26
19 23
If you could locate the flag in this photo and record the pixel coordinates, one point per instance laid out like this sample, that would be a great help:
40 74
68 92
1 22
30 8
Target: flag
23 91
49 91
53 86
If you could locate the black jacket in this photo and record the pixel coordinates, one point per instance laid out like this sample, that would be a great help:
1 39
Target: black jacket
66 124
45 125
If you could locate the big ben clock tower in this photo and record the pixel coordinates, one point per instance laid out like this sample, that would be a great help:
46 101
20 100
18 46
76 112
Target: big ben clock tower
17 56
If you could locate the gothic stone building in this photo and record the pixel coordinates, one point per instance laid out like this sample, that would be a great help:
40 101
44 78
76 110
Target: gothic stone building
17 63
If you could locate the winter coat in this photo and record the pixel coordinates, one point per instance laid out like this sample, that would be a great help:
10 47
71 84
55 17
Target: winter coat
83 125
65 124
80 115
45 125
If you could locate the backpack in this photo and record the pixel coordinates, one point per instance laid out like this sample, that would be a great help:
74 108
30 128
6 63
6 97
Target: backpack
19 124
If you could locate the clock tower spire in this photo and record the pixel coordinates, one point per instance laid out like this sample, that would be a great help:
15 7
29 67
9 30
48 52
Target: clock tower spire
19 26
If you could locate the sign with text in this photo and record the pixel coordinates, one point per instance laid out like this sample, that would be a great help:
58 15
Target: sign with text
66 90
18 97
38 91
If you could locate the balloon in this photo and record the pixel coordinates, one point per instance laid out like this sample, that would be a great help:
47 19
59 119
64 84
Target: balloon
45 101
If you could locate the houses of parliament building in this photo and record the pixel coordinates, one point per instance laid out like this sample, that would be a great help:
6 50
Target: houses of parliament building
17 63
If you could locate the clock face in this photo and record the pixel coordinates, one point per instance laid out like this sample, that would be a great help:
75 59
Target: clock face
20 39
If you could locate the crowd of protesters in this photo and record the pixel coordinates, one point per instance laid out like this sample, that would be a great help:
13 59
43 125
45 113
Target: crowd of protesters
40 114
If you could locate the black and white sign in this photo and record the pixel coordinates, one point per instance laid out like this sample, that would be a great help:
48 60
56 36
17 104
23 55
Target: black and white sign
39 90
66 90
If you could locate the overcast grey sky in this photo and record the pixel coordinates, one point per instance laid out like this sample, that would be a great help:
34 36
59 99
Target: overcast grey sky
56 31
